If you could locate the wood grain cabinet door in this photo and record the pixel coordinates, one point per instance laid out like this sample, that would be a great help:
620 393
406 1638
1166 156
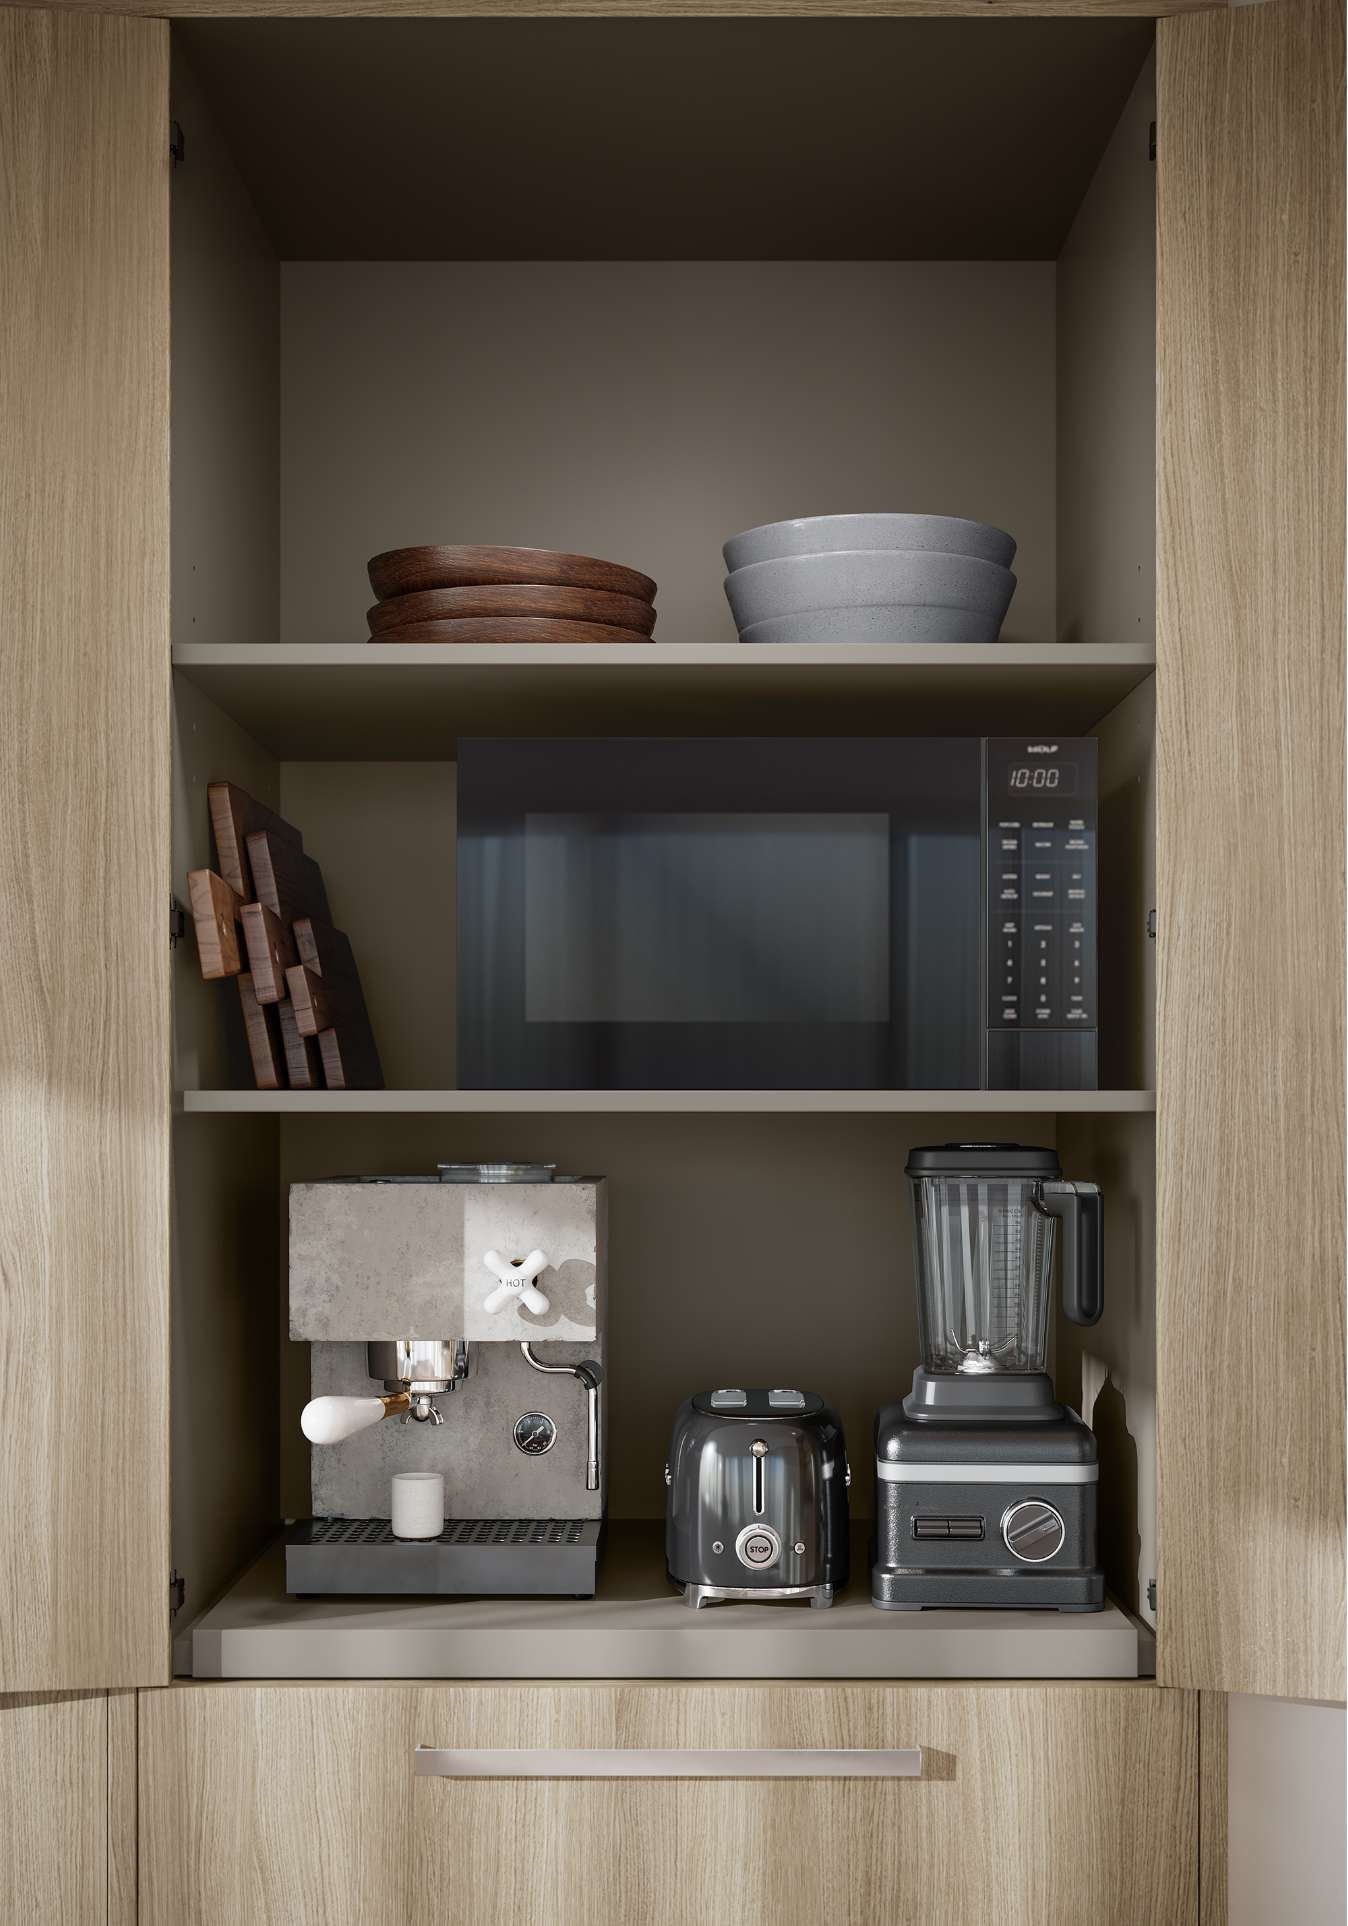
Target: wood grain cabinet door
84 851
1034 1806
1250 784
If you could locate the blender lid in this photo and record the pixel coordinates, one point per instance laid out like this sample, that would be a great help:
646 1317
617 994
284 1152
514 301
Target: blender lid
982 1160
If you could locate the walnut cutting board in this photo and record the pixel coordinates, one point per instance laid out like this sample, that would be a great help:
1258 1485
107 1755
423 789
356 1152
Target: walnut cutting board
216 909
235 815
263 1029
271 951
287 881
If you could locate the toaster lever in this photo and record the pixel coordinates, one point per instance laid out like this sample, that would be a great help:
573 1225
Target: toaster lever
760 1451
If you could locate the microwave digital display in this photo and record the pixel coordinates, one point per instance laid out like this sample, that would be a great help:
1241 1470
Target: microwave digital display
1058 778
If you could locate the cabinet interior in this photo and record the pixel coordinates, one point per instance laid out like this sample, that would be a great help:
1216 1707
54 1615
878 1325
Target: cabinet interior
487 280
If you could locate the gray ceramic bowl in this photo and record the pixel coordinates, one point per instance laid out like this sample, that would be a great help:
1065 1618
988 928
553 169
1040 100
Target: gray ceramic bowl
829 534
912 623
871 578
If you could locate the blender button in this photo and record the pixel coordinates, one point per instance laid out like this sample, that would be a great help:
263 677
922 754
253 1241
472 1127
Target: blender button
799 1548
716 1545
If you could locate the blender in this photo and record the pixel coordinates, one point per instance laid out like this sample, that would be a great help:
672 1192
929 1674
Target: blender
985 1484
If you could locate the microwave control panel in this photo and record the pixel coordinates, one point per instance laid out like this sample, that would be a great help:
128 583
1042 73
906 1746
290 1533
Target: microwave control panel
1040 844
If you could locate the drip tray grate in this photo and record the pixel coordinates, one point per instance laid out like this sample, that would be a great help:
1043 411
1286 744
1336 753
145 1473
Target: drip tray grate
472 1556
457 1531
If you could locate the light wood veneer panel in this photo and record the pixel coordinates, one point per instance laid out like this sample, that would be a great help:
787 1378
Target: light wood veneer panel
84 850
1250 783
54 1807
1213 1844
638 8
1049 1805
273 1804
1037 1806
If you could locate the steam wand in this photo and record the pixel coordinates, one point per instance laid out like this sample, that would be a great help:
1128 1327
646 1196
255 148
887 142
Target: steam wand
590 1373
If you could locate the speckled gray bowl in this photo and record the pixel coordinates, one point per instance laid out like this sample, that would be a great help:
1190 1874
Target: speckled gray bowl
862 626
873 578
830 534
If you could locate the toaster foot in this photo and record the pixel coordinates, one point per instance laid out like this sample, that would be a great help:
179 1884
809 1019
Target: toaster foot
697 1596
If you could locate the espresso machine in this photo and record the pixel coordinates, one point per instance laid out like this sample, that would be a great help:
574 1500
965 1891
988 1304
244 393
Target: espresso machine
456 1329
985 1484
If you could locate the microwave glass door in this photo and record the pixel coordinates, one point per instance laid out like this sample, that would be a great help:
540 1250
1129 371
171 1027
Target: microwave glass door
719 913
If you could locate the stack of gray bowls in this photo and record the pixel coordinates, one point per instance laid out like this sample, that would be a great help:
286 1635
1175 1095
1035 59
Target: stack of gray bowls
870 578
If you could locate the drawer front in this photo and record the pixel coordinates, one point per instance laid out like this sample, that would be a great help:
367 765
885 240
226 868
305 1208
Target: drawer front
1031 1804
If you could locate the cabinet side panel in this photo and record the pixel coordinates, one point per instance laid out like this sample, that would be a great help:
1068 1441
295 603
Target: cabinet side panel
53 1806
84 850
1106 392
1250 646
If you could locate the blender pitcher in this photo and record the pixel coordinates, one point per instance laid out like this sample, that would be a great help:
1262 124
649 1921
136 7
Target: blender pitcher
985 1219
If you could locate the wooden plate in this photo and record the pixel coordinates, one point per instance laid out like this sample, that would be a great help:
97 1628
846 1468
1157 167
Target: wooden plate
510 599
502 628
406 571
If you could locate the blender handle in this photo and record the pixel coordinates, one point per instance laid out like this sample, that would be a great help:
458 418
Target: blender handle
1083 1251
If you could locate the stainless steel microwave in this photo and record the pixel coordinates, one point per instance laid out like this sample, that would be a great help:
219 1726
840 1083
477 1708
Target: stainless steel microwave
910 913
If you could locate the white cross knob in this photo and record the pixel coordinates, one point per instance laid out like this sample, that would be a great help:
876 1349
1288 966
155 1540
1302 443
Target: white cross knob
516 1282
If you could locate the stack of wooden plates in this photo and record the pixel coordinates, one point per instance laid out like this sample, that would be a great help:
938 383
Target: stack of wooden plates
507 595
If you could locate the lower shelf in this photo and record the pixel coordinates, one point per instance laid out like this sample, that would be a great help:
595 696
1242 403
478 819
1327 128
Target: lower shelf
637 1627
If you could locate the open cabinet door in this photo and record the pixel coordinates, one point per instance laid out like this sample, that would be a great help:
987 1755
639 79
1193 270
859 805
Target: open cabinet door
84 851
1250 791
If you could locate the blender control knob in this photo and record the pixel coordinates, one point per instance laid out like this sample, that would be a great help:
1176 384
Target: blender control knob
1033 1531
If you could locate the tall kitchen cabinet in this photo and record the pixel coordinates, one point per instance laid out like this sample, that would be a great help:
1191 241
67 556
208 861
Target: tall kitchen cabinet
140 1430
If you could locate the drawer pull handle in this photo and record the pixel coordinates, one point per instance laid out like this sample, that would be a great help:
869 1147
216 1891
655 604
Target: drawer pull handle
654 1762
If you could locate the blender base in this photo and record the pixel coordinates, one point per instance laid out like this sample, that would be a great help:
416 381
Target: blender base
927 1591
997 1515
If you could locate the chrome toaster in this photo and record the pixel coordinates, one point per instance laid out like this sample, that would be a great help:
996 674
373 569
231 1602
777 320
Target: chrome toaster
756 1499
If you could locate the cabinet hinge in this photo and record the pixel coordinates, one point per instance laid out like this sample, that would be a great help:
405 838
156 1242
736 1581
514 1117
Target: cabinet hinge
177 922
1151 924
177 1593
177 145
1151 1594
1151 141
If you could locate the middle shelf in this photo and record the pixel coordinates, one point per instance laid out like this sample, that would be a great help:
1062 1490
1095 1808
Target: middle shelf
667 1102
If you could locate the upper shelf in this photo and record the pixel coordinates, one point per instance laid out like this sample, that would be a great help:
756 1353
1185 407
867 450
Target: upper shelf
357 701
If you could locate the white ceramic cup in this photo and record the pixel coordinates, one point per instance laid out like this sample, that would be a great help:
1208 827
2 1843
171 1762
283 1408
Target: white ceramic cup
418 1504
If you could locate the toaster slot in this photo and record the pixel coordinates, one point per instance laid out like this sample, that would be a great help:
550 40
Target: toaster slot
966 1525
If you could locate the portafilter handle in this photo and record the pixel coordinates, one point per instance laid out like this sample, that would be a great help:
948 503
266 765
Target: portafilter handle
329 1420
1081 1211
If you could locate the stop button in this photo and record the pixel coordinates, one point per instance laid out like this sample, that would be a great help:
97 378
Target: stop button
757 1546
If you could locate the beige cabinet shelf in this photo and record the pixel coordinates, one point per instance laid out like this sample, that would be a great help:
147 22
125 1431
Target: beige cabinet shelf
366 701
637 1626
289 1103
